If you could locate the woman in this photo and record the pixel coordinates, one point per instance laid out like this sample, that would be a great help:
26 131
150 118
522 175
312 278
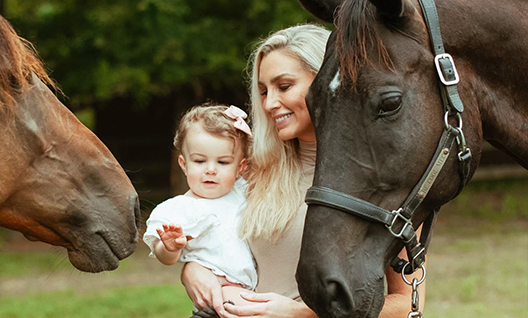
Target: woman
281 170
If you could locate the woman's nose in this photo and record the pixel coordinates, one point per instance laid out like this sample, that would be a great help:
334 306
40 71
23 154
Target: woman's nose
272 102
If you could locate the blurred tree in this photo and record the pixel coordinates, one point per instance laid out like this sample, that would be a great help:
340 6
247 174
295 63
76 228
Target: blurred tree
144 49
133 66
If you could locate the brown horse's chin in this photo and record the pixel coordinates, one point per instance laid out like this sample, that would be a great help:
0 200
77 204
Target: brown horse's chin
90 252
106 250
83 262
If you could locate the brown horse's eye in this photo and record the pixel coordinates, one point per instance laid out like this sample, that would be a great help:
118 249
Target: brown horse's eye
390 105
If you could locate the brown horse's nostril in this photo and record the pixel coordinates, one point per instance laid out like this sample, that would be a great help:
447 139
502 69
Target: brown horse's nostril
134 202
338 298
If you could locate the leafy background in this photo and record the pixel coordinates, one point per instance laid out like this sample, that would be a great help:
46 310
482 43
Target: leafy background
128 69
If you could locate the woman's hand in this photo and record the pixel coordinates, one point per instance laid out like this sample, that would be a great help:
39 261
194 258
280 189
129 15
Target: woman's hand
203 287
269 305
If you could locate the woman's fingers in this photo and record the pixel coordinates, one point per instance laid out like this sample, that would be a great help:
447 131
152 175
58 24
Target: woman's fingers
243 311
217 301
257 297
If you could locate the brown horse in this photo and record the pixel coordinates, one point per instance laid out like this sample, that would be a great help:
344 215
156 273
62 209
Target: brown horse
379 114
58 182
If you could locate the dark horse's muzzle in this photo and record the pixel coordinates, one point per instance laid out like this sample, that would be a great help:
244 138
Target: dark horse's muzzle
343 280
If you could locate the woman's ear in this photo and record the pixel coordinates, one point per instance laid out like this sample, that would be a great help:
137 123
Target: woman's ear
183 164
241 167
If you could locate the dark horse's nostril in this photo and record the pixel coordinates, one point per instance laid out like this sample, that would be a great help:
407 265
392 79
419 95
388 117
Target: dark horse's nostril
339 299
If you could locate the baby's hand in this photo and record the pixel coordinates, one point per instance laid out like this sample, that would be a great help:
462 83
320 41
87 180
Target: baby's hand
172 237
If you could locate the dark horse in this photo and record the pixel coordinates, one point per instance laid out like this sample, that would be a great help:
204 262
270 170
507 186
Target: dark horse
58 182
378 116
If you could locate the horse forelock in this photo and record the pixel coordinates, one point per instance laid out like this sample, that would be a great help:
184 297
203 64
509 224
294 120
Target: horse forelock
18 61
356 36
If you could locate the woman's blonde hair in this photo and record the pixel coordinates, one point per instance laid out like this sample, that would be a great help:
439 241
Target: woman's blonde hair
275 167
213 120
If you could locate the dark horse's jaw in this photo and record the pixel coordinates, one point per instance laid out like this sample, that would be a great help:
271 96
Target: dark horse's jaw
337 301
344 280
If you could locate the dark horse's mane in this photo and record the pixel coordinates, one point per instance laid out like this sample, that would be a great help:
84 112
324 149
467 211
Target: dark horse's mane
18 61
356 37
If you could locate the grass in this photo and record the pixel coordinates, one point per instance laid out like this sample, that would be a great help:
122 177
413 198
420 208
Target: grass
477 268
131 302
478 274
35 263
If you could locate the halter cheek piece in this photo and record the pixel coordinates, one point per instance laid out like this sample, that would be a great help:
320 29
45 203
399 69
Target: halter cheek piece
398 222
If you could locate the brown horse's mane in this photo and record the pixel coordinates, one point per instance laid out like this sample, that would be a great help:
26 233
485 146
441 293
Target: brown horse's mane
18 61
356 37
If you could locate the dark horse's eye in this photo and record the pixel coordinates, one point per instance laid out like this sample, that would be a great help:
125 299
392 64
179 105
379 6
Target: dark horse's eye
390 104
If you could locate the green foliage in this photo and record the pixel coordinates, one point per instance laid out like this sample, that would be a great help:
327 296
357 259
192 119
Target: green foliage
98 50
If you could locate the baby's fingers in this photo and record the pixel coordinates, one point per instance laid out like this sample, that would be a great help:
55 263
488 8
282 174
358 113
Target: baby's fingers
181 242
176 228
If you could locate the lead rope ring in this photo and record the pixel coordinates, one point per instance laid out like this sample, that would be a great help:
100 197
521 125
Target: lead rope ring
415 298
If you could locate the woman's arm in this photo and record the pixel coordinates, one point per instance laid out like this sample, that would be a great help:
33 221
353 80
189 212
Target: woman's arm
269 305
203 287
398 300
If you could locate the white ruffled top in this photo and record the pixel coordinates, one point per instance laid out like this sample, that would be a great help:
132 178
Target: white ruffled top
213 223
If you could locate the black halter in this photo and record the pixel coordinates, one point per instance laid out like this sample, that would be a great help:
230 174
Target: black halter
398 222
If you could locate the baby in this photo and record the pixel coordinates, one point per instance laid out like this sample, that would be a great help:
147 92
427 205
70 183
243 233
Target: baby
202 225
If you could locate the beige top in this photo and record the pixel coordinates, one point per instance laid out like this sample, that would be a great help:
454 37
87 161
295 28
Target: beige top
277 263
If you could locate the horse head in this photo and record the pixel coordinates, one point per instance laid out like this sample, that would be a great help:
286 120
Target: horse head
378 116
59 183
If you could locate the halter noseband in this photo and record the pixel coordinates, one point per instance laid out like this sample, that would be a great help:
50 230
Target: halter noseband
398 222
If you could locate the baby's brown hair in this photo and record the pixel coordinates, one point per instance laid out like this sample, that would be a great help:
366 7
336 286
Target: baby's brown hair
214 121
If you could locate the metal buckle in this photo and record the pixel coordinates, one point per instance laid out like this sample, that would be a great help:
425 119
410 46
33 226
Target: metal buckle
397 214
413 262
439 69
421 280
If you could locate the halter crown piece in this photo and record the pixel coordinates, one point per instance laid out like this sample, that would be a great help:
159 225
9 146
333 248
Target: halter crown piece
238 115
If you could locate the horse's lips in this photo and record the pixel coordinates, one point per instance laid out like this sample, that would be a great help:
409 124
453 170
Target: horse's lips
102 251
104 248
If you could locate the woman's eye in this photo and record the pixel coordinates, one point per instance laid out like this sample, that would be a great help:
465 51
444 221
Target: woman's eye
390 105
263 93
284 87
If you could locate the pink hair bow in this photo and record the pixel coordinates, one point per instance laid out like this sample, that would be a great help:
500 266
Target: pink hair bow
238 115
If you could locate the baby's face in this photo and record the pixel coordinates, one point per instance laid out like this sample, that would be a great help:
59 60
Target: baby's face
210 163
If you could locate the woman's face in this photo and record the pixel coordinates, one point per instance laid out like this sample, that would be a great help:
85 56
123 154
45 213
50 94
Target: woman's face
283 84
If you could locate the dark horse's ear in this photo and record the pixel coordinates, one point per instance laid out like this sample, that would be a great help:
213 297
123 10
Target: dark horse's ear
390 9
323 9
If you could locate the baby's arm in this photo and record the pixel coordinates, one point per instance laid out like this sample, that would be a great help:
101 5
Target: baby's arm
168 248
